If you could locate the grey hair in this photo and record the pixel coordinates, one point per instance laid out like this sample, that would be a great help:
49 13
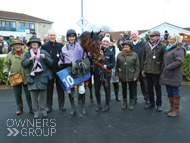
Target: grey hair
135 31
176 38
51 30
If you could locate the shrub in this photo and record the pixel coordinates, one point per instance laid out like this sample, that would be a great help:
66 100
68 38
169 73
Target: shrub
186 67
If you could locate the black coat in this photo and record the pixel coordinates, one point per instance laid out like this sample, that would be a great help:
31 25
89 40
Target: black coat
109 60
139 49
54 49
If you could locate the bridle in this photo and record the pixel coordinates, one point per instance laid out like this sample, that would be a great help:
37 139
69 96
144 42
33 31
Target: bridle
92 52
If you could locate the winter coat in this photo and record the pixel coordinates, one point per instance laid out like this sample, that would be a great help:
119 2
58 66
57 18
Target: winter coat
13 63
147 38
9 41
127 66
139 48
116 52
172 73
109 61
120 47
54 50
151 61
40 80
187 47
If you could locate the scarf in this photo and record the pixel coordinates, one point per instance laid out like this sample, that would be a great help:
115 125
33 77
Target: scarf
169 46
153 45
18 53
37 67
127 52
71 46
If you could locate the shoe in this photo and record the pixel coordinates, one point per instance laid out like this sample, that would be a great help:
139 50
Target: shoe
134 101
48 109
31 111
147 101
98 107
73 108
36 116
19 112
44 115
117 98
62 107
159 108
173 114
106 108
148 106
124 104
131 105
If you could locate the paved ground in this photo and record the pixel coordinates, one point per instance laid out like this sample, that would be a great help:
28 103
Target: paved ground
115 126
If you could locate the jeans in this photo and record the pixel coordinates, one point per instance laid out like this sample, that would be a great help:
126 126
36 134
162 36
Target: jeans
173 90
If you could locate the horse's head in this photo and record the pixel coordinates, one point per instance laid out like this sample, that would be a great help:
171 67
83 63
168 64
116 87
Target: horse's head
91 43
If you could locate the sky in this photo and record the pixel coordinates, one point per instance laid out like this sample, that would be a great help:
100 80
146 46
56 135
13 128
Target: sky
119 15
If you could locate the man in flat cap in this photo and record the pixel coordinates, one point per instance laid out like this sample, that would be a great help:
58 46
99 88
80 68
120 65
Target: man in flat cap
151 63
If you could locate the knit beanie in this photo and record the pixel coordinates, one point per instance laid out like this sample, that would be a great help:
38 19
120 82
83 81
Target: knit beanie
106 38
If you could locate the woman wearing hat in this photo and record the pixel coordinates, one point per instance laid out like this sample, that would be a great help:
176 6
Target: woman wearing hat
127 69
12 63
102 74
3 48
36 61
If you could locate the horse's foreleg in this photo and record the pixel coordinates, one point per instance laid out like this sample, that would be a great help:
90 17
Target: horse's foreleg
91 96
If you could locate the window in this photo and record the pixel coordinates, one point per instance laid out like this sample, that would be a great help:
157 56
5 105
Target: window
31 26
28 27
21 24
13 24
3 23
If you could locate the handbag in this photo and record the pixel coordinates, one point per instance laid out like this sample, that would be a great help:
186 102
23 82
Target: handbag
17 78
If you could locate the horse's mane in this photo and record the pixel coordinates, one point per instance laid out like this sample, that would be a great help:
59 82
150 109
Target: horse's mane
85 33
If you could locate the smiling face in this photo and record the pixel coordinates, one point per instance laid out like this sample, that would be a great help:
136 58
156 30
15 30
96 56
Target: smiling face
126 47
105 44
52 36
171 41
134 36
72 39
34 45
17 47
154 39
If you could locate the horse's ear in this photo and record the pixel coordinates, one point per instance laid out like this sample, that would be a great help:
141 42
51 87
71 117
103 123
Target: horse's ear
98 32
91 35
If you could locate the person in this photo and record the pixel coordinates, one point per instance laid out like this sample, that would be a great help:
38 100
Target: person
3 48
120 46
64 42
12 63
24 40
9 40
162 40
185 45
127 70
39 39
147 36
59 40
46 39
126 36
101 72
2 39
78 38
102 35
121 37
166 35
36 61
54 49
72 52
172 73
151 63
33 34
113 80
138 47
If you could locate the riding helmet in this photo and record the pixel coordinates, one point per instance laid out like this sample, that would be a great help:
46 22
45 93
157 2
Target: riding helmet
71 32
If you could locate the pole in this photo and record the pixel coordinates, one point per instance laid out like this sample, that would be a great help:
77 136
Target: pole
82 12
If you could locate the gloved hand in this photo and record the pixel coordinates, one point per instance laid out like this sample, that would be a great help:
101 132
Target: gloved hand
6 73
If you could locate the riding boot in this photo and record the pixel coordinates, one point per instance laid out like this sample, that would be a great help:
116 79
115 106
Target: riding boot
131 104
106 108
83 104
170 97
124 104
73 108
116 89
98 107
79 105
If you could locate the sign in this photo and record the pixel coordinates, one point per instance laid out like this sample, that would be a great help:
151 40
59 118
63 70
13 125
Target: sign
82 23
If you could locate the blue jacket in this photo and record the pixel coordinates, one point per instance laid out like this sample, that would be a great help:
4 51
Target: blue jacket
119 39
187 47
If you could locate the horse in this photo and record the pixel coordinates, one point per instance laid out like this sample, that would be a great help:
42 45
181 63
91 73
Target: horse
91 44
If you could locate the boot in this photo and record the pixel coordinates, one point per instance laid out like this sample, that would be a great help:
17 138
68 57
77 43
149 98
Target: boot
73 109
98 107
131 104
117 98
124 104
79 105
170 97
83 104
106 108
116 89
176 104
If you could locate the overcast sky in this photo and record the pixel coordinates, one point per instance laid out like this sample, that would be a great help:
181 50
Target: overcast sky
120 15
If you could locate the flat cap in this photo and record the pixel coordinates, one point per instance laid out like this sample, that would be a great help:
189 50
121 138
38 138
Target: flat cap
155 33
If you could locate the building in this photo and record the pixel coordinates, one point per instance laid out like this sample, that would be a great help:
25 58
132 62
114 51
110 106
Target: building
18 24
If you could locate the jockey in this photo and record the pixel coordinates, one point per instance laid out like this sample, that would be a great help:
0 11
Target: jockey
71 52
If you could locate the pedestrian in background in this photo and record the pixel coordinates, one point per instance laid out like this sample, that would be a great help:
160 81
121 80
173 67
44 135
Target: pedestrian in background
172 74
12 63
185 45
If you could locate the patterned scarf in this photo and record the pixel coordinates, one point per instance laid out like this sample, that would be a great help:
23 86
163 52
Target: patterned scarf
37 67
153 45
127 52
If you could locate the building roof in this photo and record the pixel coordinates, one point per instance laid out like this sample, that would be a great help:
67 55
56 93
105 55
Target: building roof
21 16
169 27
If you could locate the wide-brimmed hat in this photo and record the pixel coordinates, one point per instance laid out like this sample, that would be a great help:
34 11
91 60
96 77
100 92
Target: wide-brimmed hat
16 41
34 39
127 42
33 32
